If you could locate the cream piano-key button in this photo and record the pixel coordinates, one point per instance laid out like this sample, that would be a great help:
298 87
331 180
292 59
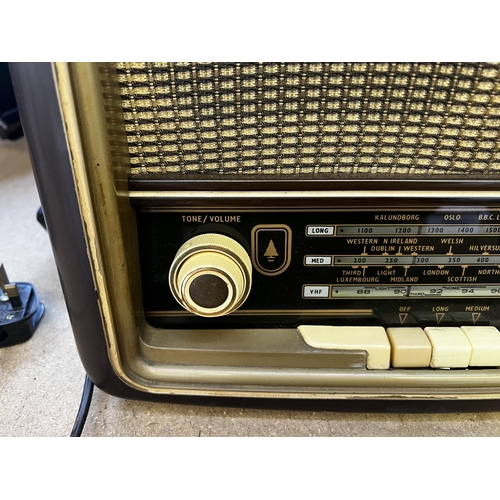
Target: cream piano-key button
450 347
410 348
485 342
371 339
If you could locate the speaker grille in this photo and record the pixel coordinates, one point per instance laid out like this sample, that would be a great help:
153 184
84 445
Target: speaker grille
364 120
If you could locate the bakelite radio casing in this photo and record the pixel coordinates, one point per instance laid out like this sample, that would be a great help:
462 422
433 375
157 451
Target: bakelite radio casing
117 219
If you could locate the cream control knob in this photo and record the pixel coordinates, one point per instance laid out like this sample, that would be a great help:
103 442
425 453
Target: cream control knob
211 275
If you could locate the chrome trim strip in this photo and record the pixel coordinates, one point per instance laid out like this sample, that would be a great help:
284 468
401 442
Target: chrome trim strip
314 194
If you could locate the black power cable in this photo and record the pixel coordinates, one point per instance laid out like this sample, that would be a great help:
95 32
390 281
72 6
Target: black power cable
81 417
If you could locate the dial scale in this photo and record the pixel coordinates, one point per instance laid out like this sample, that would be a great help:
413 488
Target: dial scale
411 267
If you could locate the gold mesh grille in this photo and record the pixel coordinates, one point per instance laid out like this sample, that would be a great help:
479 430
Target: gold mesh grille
324 119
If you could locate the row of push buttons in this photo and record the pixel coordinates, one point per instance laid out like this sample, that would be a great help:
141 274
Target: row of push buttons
435 347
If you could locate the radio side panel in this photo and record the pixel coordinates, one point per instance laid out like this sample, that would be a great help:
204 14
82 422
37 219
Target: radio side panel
43 127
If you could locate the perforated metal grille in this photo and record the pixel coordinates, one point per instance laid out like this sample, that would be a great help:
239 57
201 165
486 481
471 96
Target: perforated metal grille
322 119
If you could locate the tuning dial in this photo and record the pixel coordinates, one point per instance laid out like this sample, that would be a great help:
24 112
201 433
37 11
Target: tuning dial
211 275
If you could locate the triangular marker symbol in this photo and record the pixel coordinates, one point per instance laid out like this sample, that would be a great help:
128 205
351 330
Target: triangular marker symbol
475 317
271 252
402 317
439 317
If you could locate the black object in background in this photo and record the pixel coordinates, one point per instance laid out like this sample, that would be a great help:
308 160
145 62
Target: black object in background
20 310
41 218
10 124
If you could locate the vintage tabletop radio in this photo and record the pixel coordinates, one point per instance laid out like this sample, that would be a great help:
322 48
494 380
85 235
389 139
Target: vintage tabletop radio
298 230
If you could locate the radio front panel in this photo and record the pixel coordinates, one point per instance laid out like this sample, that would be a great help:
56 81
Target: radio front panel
416 267
299 230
